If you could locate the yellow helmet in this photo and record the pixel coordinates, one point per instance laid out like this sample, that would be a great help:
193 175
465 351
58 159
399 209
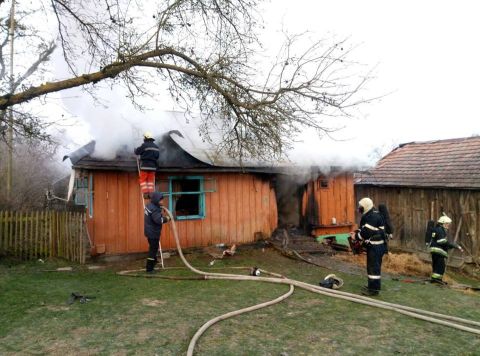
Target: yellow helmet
148 135
444 219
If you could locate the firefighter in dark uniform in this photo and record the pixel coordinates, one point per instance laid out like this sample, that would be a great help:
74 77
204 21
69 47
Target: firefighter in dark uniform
372 236
153 222
149 154
439 246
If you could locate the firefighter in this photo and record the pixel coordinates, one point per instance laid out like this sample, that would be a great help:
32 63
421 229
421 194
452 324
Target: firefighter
372 236
149 153
439 246
153 222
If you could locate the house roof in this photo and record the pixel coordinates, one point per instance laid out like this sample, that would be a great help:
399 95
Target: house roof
175 153
453 163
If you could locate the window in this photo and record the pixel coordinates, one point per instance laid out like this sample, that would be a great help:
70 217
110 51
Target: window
187 197
84 192
323 183
81 191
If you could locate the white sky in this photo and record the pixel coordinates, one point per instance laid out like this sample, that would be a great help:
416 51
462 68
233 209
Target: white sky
426 54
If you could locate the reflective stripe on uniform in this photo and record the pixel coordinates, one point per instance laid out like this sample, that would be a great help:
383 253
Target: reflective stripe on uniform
368 226
439 251
374 277
148 168
437 276
151 149
376 242
442 241
150 259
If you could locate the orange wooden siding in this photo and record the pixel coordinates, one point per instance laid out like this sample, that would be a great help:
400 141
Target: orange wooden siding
242 205
322 205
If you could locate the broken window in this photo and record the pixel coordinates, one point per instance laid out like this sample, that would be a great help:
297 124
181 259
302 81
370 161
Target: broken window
187 197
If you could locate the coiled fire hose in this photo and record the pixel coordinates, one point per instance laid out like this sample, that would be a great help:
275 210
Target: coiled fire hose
437 318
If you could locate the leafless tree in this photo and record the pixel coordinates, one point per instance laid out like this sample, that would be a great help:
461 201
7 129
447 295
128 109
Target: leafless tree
35 171
32 51
210 55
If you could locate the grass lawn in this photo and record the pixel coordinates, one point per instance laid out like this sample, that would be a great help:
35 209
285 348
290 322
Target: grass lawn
148 316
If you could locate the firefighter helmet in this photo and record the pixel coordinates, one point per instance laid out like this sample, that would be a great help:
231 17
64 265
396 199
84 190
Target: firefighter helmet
335 281
366 204
444 219
148 135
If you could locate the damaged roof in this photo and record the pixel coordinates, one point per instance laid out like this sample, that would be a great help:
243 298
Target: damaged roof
175 153
452 163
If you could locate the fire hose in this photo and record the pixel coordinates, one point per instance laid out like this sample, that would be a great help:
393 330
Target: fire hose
437 318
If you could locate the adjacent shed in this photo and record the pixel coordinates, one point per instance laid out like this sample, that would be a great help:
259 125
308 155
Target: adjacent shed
421 180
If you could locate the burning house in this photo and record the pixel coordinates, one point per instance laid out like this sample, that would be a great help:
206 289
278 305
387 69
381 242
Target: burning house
213 200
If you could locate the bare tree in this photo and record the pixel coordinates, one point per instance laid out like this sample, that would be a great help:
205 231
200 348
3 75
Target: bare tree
209 53
32 51
35 171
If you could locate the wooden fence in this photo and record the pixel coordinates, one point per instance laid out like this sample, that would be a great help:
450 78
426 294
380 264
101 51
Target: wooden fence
43 234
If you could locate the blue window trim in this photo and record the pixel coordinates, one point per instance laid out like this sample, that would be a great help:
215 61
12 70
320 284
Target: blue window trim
201 197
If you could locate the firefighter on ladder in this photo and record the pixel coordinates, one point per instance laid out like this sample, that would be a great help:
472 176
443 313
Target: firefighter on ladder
149 153
439 246
372 236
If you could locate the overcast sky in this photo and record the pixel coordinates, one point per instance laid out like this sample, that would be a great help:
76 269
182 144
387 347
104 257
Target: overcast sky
426 56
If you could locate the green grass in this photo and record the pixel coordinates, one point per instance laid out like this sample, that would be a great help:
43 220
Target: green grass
140 316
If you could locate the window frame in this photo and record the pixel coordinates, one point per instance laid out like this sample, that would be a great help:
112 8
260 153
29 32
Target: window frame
200 193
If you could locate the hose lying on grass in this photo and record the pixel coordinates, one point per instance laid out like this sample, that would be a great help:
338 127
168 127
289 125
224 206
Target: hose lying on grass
421 314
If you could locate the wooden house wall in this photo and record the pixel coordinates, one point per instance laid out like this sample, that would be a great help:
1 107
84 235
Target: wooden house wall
331 209
242 206
411 208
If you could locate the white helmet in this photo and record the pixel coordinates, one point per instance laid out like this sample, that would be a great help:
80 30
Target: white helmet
366 204
148 135
444 219
337 282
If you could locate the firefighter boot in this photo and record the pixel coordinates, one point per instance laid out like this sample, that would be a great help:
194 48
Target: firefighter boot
150 265
370 292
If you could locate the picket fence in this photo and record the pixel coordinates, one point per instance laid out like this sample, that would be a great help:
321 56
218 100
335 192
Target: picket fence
43 234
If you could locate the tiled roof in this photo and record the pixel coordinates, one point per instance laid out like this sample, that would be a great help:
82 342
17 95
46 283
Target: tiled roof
453 163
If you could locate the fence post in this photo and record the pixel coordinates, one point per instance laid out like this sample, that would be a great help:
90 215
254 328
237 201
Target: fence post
2 222
36 233
10 231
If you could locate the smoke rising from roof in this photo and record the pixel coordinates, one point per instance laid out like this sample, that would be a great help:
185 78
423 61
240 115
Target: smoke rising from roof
117 127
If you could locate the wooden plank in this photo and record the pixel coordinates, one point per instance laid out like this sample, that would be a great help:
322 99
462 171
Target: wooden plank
50 233
2 230
37 233
205 222
133 205
123 212
237 228
213 214
44 234
273 212
250 204
81 232
19 235
223 197
232 210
